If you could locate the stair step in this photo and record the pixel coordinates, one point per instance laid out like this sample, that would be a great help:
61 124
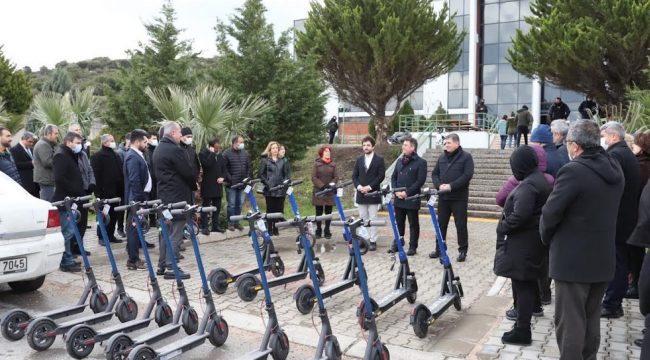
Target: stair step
489 182
500 171
483 194
482 200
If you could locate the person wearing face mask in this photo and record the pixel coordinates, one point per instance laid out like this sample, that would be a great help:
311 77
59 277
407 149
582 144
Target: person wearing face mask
613 140
238 168
110 183
520 254
151 147
578 223
214 170
186 144
68 182
90 183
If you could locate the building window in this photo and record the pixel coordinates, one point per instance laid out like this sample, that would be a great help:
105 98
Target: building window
459 75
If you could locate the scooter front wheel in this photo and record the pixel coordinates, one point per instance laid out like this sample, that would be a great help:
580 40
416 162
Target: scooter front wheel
381 355
116 349
142 352
320 274
458 305
126 309
412 296
420 321
246 289
361 313
10 329
164 314
80 343
305 299
42 334
98 301
333 349
218 331
218 281
279 345
190 321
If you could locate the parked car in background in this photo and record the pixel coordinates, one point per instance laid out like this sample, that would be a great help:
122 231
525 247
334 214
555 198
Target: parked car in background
31 242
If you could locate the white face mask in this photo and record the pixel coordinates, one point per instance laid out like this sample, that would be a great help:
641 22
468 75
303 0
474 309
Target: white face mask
153 142
112 145
188 141
603 143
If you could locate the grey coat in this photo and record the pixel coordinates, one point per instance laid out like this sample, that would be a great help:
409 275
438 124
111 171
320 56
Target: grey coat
43 155
86 170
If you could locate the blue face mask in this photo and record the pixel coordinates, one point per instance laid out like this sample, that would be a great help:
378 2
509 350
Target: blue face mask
77 149
240 146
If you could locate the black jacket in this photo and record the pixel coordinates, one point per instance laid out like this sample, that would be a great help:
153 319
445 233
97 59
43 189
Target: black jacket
411 175
214 167
136 177
553 160
174 174
564 153
587 104
108 173
192 158
558 112
644 286
238 165
628 210
579 219
373 176
67 178
520 254
8 166
25 167
640 235
273 173
333 126
455 169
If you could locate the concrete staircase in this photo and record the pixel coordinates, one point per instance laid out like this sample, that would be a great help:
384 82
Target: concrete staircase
491 171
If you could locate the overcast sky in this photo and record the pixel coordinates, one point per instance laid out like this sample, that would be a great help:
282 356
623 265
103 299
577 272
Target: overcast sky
43 32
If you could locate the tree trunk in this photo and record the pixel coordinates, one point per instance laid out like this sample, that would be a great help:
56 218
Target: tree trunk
381 129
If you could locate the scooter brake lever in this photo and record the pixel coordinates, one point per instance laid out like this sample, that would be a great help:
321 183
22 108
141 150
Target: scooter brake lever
392 257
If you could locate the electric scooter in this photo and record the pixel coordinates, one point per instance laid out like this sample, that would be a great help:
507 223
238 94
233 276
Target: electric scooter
42 332
423 316
275 341
305 295
375 349
213 326
406 286
14 322
220 278
81 339
119 346
248 285
327 342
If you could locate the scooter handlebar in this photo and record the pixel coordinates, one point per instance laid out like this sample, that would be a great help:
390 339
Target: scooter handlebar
88 205
298 182
154 202
113 200
84 198
143 212
337 223
414 197
274 216
177 211
399 189
376 223
445 191
321 218
208 209
346 184
283 224
178 205
121 208
237 218
322 193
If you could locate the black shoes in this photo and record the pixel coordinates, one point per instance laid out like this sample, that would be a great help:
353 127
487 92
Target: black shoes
638 342
74 267
393 248
462 256
632 293
219 230
120 233
276 232
160 271
512 313
517 336
373 246
319 233
328 234
205 231
169 274
611 313
411 251
435 254
115 240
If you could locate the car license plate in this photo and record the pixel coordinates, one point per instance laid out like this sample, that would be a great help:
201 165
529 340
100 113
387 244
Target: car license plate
10 266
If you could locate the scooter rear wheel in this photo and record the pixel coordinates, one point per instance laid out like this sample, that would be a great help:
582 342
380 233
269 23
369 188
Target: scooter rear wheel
305 299
279 345
218 282
143 353
412 296
458 305
116 349
218 332
38 337
246 289
277 267
421 321
79 344
10 329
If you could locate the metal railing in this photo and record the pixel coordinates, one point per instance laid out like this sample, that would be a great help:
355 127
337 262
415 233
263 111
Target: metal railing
447 122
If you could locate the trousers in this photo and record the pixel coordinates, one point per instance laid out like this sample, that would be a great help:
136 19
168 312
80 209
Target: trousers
459 209
414 225
369 212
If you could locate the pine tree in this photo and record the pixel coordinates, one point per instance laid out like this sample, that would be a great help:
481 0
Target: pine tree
59 82
15 87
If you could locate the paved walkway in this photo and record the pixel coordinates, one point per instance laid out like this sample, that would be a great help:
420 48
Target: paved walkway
471 333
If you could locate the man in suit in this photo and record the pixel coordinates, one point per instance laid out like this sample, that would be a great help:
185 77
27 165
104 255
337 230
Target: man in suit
110 183
24 159
123 148
411 173
214 170
369 171
43 155
137 185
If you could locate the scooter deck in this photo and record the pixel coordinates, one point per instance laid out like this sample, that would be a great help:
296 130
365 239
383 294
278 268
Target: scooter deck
88 320
61 313
137 324
180 346
441 304
253 270
257 354
389 300
286 279
158 334
337 287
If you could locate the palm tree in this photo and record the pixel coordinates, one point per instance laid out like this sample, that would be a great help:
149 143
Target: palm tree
14 123
210 111
85 107
52 108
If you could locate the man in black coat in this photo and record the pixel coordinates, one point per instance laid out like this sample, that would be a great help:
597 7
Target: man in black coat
613 140
68 182
410 172
214 169
24 159
110 182
332 128
559 110
192 158
560 128
238 168
176 181
579 225
151 148
7 164
369 171
590 105
453 171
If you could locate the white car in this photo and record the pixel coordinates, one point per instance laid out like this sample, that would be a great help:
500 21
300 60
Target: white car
31 242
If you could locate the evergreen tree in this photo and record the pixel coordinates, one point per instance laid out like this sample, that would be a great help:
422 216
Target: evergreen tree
59 82
374 51
15 87
262 66
164 60
591 47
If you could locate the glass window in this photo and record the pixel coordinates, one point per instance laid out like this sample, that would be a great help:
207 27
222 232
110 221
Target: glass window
507 93
524 79
455 100
455 81
551 92
466 44
525 9
524 26
490 74
506 109
456 7
416 100
466 80
490 94
459 65
509 11
491 34
526 94
465 96
490 54
507 31
491 14
571 96
507 74
466 62
491 1
459 20
503 53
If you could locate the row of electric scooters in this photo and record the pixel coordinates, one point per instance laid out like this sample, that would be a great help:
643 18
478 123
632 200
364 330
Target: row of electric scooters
80 337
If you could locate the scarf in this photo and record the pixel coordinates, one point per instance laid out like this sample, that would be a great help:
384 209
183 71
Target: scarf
326 161
406 158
